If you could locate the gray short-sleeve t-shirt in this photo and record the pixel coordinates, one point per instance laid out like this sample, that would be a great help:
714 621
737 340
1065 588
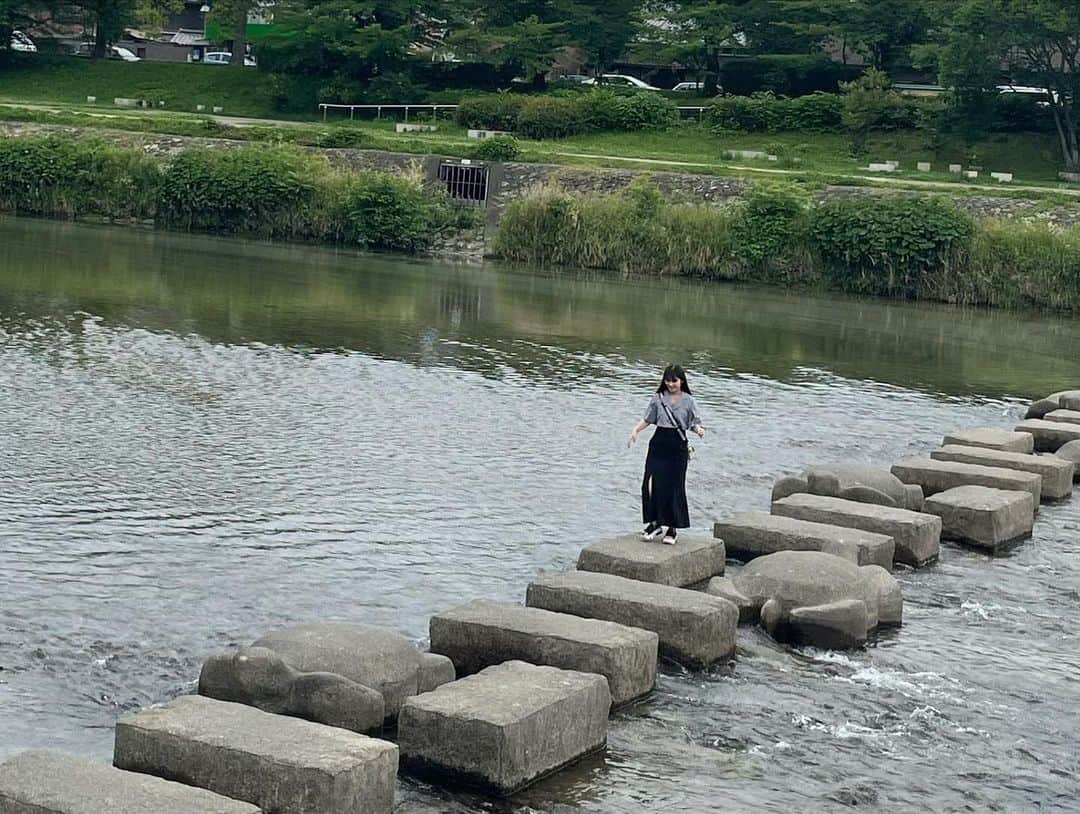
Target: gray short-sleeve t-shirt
685 411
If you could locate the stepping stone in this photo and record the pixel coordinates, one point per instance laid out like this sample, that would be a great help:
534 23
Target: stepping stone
916 535
281 764
1057 475
505 727
840 601
693 627
1070 453
1063 416
747 535
988 518
482 633
938 476
690 561
991 438
48 782
1049 435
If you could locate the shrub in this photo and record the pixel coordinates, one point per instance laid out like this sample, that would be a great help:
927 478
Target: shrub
497 111
550 117
870 103
50 175
888 245
264 191
384 211
498 148
765 113
771 220
644 111
343 137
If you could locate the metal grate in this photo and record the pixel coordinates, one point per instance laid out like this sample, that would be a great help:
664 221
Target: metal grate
465 184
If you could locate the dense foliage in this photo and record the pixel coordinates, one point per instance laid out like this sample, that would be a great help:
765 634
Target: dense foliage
554 116
269 192
903 246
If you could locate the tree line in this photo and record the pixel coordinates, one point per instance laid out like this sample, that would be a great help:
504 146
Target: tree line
972 46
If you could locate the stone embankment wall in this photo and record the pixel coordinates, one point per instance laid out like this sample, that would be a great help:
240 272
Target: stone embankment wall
513 179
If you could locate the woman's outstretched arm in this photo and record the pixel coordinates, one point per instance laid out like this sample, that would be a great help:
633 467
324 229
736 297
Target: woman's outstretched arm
637 428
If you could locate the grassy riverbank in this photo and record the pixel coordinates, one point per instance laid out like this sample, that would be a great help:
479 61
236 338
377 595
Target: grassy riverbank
263 191
898 247
652 134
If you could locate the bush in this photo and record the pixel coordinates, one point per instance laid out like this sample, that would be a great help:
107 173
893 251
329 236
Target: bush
558 115
765 113
870 103
784 75
887 247
550 117
263 191
61 177
771 220
644 111
343 137
383 211
498 148
495 112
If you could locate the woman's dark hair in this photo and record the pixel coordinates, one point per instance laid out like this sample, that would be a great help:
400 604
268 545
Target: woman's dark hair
672 372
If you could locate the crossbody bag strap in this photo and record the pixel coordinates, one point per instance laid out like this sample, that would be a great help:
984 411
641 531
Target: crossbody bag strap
674 420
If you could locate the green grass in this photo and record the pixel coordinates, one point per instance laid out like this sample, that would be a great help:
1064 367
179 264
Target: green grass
181 86
1031 157
814 157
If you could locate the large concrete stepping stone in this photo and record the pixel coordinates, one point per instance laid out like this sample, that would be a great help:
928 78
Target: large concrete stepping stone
377 658
747 535
1049 435
693 627
915 535
261 678
47 782
1057 475
505 727
690 561
991 438
283 765
482 633
808 597
991 519
938 476
851 481
1070 453
1063 416
1062 400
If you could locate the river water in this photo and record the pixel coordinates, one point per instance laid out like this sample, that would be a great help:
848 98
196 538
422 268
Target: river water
204 439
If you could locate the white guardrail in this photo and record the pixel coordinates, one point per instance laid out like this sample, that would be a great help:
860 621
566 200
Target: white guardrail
325 107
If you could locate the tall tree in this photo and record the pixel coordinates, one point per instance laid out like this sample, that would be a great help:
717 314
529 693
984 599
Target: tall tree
232 16
527 46
355 39
1032 42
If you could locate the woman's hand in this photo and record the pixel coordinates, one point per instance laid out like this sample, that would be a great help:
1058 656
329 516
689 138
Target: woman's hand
700 431
633 437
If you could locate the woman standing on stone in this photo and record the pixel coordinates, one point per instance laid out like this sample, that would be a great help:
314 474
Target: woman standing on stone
663 488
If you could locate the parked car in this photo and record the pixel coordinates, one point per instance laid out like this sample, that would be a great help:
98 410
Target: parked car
689 87
86 49
21 42
621 81
224 58
573 79
1041 95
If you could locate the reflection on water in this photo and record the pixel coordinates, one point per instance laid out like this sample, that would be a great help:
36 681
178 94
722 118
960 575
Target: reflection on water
203 439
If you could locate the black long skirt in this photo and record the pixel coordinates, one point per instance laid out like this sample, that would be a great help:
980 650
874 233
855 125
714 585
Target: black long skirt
663 489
